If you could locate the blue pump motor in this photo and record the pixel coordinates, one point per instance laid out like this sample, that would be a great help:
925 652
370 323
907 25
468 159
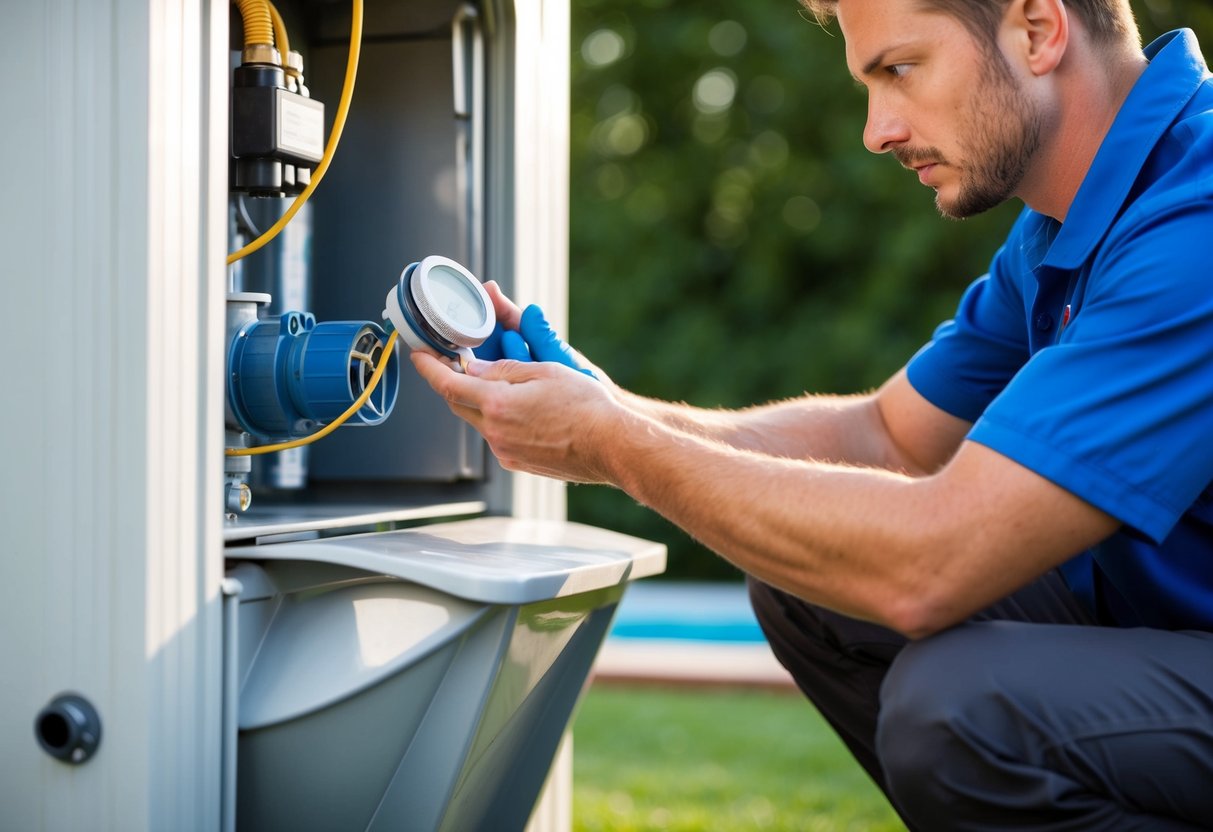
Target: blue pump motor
288 375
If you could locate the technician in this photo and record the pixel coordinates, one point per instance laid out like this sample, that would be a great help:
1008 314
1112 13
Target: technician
993 575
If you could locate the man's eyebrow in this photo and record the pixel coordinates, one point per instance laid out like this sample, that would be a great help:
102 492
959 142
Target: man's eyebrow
878 60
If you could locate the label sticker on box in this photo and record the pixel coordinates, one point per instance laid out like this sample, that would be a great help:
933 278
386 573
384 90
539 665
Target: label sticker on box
300 126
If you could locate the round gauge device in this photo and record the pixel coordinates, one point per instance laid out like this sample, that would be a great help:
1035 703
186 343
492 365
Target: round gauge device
439 306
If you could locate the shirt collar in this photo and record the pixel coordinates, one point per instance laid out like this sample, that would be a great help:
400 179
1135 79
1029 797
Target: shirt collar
1175 73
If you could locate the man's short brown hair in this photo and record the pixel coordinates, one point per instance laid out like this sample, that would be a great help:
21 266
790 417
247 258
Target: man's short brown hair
1108 21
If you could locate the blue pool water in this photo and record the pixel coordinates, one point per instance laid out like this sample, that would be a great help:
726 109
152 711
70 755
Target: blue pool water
686 611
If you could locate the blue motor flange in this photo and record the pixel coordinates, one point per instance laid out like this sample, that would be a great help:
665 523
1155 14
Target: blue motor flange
288 375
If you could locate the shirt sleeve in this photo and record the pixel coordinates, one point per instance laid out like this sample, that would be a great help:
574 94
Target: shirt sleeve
1118 410
972 357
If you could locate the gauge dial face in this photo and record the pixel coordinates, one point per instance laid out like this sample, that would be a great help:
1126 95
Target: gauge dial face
451 301
455 298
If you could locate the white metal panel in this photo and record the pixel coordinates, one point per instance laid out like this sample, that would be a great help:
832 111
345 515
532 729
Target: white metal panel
112 434
540 227
540 198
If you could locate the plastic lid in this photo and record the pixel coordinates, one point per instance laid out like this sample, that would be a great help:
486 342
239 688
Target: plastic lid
496 560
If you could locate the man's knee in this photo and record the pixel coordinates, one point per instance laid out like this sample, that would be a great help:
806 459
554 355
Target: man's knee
942 719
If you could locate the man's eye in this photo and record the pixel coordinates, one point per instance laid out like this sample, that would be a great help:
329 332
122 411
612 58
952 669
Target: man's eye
897 70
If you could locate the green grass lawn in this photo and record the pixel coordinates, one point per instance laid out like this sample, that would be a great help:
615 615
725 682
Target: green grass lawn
719 760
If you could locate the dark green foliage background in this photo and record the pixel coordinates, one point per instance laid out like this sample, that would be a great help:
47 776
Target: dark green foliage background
733 258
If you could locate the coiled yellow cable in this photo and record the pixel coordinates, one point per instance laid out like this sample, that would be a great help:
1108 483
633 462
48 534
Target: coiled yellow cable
258 27
343 108
281 40
388 351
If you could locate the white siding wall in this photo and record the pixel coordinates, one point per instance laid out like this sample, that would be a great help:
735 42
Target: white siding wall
110 568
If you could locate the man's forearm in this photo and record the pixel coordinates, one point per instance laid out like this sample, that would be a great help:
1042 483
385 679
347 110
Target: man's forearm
915 553
738 503
844 429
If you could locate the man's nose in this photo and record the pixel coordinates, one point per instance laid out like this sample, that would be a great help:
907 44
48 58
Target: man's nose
885 128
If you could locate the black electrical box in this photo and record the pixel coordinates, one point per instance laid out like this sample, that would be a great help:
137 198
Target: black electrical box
277 134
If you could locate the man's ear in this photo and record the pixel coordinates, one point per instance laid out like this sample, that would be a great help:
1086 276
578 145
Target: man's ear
1037 32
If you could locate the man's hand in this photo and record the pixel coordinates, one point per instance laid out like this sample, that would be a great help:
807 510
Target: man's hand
538 417
523 397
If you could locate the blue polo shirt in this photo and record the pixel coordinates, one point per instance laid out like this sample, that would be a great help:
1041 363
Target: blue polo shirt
1086 353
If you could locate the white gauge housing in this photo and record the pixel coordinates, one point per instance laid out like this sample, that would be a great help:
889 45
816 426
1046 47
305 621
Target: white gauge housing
440 306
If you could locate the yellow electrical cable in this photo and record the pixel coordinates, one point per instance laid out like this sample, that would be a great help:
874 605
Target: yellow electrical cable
281 40
343 108
258 28
388 351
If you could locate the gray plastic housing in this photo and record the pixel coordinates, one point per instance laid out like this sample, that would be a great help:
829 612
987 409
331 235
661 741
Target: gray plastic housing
419 679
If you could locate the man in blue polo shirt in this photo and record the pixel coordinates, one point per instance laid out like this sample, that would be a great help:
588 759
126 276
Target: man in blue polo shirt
994 575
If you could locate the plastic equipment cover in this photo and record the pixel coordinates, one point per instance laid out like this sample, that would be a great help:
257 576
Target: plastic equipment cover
495 560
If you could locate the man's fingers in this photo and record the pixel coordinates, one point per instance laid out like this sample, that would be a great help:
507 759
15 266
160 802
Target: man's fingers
470 389
456 388
515 372
507 311
468 414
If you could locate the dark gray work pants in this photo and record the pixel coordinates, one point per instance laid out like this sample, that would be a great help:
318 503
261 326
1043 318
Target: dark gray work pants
1027 716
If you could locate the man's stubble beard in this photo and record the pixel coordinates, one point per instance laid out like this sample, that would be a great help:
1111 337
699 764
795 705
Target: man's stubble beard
1006 128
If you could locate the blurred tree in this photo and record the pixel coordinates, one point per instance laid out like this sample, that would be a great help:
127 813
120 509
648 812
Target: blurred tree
732 240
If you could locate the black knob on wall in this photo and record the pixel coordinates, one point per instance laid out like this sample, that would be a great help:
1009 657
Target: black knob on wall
69 728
